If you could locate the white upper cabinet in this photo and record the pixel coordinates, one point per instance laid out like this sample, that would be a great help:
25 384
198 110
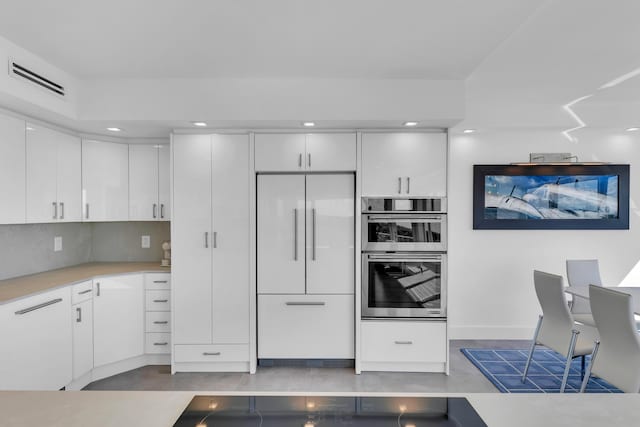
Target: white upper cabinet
331 152
105 181
164 181
53 176
280 152
404 164
291 152
12 170
148 182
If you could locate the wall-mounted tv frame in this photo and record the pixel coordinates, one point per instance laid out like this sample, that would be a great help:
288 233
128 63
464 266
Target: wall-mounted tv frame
551 196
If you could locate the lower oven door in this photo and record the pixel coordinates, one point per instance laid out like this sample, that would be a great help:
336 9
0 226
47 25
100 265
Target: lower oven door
404 232
403 285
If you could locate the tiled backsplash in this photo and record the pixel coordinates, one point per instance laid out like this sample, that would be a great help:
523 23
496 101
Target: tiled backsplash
28 248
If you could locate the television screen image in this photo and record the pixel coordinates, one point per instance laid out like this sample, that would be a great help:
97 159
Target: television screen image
539 196
551 197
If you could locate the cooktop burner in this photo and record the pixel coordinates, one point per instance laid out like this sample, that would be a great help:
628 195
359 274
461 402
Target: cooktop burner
326 411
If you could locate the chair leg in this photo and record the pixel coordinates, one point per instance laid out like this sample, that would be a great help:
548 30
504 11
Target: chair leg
533 346
567 366
582 367
585 380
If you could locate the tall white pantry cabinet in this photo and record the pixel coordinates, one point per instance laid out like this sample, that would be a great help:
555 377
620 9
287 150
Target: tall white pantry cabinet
210 252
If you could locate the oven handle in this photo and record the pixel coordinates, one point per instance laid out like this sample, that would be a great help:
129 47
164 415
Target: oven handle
438 217
403 257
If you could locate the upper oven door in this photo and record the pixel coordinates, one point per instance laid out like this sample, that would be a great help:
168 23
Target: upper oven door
404 232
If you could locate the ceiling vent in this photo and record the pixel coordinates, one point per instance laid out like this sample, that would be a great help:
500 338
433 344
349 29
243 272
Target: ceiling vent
24 73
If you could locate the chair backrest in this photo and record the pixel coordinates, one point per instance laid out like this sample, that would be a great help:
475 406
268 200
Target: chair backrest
582 272
557 322
618 358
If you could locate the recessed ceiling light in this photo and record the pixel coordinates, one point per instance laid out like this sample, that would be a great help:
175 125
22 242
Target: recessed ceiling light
409 124
29 128
633 129
468 131
199 124
308 124
114 129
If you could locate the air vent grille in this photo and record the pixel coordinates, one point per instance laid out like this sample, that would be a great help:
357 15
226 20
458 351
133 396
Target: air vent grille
23 72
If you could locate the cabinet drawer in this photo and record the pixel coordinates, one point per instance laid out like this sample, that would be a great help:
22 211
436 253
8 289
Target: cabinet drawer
157 343
158 281
398 341
158 321
211 353
306 326
158 301
81 292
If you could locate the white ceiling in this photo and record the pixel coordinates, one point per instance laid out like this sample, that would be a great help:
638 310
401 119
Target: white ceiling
430 39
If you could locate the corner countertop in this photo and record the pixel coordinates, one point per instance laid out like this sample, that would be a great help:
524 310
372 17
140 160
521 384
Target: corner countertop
162 408
23 286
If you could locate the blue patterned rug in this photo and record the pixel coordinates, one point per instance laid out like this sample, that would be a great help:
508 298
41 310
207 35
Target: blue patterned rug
504 369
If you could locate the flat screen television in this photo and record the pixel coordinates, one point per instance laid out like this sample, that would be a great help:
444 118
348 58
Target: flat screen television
554 196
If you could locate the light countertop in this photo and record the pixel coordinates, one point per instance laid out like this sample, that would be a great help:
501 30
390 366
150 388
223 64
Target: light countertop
20 287
162 408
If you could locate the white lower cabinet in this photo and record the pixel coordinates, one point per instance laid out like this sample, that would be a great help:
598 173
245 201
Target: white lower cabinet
36 338
391 345
118 318
212 353
157 305
157 343
82 321
306 326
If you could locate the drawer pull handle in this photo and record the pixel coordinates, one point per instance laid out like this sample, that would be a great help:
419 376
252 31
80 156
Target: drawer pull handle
39 306
160 300
206 353
86 291
160 281
305 303
404 342
160 343
158 322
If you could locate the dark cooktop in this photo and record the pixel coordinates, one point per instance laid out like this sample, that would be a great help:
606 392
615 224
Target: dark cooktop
325 411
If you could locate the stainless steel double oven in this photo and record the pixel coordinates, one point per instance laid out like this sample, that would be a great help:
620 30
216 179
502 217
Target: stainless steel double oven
404 244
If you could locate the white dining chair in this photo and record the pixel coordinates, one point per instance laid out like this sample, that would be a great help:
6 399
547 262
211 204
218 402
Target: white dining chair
616 355
556 327
583 272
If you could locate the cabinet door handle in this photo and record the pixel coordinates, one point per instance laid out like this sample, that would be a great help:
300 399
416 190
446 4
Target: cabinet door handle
206 239
408 184
160 322
309 159
61 210
79 315
313 234
207 353
86 291
160 343
300 160
295 234
98 289
160 300
305 303
155 210
399 185
55 210
215 239
161 210
86 210
404 342
39 306
160 281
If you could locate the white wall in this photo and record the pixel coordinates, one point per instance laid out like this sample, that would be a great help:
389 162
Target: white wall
491 291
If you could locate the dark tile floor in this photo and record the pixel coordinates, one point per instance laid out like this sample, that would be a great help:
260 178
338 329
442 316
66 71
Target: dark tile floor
463 378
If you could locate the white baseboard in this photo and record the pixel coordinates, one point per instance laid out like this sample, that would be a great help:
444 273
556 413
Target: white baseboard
210 367
404 367
115 368
490 332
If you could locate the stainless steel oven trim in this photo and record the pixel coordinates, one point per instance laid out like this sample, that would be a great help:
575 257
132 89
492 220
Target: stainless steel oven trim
443 205
385 313
394 246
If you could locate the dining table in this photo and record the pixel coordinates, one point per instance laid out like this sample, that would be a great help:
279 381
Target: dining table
582 291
